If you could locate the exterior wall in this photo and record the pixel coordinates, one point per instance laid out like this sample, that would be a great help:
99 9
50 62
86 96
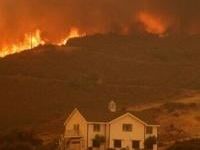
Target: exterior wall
116 132
107 136
77 118
92 133
155 131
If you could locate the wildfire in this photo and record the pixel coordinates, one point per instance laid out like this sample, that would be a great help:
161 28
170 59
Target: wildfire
152 24
30 41
74 32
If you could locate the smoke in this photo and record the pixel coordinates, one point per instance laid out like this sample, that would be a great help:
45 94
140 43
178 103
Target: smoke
55 18
181 15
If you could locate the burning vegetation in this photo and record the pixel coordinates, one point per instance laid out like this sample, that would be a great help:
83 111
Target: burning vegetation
33 40
26 24
30 41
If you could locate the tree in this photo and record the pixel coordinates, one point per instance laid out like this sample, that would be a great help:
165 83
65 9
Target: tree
99 140
149 142
20 140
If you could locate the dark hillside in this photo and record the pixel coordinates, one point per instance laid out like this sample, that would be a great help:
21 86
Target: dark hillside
46 82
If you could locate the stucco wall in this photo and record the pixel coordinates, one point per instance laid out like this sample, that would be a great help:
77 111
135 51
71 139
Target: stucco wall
116 132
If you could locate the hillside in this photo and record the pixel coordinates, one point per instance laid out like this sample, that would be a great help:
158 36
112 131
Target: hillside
46 82
179 120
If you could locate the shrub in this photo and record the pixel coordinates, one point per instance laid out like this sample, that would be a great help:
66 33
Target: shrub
20 140
149 142
89 148
110 149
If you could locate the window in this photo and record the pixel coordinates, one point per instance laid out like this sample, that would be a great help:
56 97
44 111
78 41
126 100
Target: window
127 127
136 144
76 127
95 143
117 143
149 130
96 127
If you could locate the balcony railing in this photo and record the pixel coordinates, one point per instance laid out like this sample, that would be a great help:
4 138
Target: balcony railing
72 133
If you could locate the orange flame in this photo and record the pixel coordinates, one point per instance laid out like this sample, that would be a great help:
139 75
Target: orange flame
74 32
30 41
152 24
33 40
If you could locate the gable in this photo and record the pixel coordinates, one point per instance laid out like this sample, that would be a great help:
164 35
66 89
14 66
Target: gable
130 117
117 130
75 115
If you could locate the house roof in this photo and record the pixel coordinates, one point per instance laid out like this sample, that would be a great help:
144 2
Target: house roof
104 115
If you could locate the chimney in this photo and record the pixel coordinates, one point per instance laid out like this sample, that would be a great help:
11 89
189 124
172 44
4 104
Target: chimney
112 106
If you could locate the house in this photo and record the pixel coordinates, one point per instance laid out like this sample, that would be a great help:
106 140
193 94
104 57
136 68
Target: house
108 129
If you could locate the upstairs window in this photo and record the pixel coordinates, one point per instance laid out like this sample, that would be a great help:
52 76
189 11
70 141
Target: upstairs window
96 127
76 127
127 127
117 143
149 130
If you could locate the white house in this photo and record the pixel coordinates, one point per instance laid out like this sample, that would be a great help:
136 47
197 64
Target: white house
107 129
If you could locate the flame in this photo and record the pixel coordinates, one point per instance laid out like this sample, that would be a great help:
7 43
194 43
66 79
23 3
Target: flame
30 41
152 24
74 32
33 40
